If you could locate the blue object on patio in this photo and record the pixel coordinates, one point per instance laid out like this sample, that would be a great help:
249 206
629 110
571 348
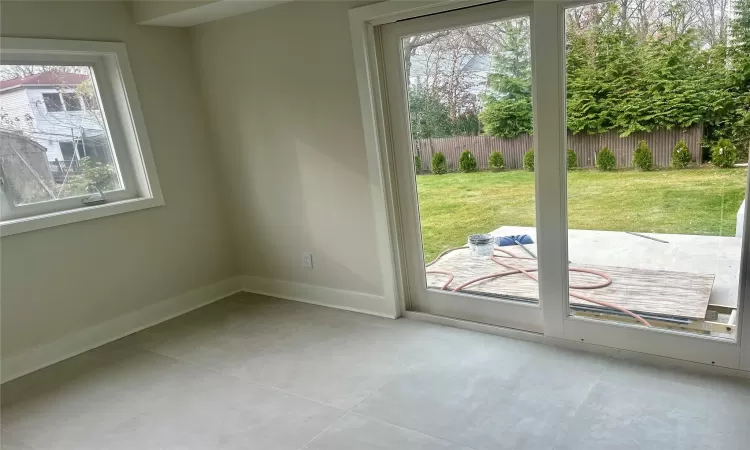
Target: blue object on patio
504 241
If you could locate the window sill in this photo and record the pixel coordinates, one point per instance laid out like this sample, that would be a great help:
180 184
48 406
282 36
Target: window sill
26 224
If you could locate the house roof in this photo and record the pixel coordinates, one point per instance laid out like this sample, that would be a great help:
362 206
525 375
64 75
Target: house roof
45 79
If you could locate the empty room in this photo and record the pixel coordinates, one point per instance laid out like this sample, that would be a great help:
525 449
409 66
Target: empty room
361 225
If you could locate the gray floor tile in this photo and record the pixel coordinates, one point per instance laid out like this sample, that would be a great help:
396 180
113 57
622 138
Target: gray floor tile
411 384
51 377
10 443
660 379
492 400
62 413
225 414
336 357
333 361
355 432
641 407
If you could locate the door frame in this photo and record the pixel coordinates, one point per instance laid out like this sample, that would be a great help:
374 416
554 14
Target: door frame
514 314
548 63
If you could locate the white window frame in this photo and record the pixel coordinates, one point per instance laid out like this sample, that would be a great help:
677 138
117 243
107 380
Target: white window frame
49 94
118 101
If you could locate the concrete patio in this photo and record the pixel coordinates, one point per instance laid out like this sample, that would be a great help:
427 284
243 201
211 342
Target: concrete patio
717 255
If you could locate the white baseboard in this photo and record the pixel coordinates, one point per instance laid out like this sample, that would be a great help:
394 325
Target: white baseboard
73 344
319 295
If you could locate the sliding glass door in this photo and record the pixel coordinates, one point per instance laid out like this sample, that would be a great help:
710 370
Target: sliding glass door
656 178
575 169
467 198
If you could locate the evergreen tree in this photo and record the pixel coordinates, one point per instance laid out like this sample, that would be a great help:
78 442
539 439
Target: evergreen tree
507 105
620 80
429 117
740 59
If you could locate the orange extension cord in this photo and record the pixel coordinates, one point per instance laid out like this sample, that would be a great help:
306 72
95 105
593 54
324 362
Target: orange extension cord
514 270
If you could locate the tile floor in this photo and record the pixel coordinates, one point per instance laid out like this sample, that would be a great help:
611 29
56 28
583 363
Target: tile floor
251 372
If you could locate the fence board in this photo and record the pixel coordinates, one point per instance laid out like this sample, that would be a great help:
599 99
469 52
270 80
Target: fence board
661 142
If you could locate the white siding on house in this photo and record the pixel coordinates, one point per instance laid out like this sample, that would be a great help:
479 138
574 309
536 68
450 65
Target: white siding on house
62 126
18 109
48 129
15 104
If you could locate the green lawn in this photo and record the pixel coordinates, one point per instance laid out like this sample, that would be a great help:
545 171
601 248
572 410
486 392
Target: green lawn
690 201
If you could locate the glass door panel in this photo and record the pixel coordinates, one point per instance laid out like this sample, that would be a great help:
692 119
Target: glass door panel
657 167
460 91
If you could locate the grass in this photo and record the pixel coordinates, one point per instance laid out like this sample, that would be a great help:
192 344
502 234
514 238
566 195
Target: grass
691 201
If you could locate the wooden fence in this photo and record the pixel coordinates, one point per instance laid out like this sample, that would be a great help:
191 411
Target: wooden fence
661 143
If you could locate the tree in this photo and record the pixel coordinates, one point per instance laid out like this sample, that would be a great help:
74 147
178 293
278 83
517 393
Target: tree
444 75
429 117
739 52
621 79
507 104
466 124
712 19
446 65
90 175
412 44
10 72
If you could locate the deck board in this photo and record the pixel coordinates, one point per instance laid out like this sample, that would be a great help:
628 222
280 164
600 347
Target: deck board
657 292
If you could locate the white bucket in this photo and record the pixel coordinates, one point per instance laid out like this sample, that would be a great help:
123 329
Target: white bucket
481 245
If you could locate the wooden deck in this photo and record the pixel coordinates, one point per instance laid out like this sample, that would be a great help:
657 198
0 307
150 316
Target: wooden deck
654 292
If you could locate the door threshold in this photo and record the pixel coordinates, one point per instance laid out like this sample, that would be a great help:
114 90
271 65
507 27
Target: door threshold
539 338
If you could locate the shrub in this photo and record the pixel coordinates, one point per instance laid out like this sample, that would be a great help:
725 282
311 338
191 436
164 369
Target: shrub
90 173
496 161
724 154
605 160
642 157
467 162
572 160
528 160
439 164
417 164
680 155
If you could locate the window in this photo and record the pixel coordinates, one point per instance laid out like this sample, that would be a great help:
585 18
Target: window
62 168
68 151
52 102
71 101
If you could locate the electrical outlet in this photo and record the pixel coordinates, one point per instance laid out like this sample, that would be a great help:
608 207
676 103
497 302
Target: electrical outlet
307 260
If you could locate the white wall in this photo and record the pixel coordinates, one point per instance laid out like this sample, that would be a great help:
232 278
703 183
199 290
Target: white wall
61 280
281 91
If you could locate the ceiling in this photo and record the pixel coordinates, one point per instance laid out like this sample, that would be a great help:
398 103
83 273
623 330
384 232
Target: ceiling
187 13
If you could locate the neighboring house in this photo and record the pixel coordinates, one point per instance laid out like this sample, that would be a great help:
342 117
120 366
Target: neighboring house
60 112
475 70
